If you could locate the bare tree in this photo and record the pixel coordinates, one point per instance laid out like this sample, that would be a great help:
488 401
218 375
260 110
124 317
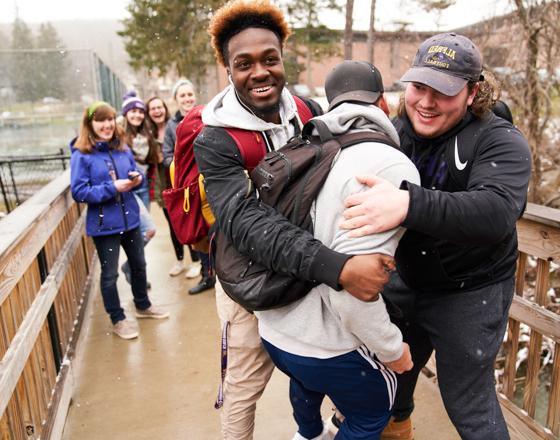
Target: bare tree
371 33
348 34
540 24
437 7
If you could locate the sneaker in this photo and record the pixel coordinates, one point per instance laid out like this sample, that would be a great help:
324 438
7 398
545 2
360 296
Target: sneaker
152 312
325 435
205 284
177 269
194 270
398 430
125 330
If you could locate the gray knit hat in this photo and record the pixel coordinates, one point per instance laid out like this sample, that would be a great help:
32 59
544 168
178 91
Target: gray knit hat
179 83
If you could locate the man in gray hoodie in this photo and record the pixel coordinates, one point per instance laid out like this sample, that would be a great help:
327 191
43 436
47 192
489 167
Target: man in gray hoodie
329 342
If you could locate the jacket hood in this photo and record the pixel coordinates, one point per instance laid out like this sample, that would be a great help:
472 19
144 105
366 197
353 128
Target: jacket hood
178 116
348 117
225 110
72 143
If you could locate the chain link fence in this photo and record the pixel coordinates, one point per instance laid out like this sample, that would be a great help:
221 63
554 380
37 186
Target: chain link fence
43 93
23 176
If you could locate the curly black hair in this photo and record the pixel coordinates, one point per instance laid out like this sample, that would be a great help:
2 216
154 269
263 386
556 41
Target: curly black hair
238 15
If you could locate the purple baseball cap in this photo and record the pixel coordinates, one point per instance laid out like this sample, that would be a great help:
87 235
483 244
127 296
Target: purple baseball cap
446 62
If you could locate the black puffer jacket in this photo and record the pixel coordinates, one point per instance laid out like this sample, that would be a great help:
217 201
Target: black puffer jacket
461 238
256 229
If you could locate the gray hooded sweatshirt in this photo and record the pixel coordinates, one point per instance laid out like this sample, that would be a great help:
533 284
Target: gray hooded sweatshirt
328 323
225 110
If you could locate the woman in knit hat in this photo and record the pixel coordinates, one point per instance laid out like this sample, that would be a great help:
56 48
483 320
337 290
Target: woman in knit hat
140 139
184 95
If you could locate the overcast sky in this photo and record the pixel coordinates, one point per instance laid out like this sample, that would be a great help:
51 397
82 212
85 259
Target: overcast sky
388 11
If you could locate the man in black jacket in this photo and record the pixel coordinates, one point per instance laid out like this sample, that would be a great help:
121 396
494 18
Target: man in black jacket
248 38
456 262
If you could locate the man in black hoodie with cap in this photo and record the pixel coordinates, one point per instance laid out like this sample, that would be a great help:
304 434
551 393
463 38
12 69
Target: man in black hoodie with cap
456 262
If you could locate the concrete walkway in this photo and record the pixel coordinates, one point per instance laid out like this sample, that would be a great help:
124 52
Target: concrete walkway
163 384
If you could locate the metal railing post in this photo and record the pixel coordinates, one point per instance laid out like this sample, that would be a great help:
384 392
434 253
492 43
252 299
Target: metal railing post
13 182
51 317
4 192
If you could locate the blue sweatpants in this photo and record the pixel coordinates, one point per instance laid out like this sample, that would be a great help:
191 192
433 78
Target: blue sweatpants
360 387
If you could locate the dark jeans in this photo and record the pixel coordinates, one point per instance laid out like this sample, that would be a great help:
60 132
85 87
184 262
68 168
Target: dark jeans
205 263
108 247
194 255
358 385
466 330
177 246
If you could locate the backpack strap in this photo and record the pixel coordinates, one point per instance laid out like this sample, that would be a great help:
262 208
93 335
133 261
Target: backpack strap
322 129
251 145
349 139
303 110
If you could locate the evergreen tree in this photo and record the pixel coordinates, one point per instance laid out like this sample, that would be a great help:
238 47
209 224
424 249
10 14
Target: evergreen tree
22 71
170 35
51 63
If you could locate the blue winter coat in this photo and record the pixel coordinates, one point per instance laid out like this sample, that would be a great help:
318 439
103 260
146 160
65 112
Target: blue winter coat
91 181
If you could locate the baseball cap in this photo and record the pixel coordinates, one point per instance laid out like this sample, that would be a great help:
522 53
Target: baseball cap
446 62
355 81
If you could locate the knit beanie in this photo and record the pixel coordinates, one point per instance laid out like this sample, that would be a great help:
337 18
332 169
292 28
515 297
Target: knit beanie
130 101
179 83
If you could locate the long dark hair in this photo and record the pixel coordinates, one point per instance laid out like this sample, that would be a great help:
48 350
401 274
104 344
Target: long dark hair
151 124
130 132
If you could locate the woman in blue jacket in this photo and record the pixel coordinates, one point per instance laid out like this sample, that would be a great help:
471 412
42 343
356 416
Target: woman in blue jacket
103 173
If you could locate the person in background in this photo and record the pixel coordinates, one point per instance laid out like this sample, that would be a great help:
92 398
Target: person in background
103 174
456 261
184 94
141 141
158 117
145 150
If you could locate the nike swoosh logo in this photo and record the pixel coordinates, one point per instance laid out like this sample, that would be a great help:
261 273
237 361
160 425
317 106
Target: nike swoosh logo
460 165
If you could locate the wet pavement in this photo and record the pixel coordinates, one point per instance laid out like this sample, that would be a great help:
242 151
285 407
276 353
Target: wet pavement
163 384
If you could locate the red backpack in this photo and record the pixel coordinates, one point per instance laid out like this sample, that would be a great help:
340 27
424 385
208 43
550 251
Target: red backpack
184 202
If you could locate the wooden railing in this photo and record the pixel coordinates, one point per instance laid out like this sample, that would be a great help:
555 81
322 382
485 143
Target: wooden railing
46 273
539 246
